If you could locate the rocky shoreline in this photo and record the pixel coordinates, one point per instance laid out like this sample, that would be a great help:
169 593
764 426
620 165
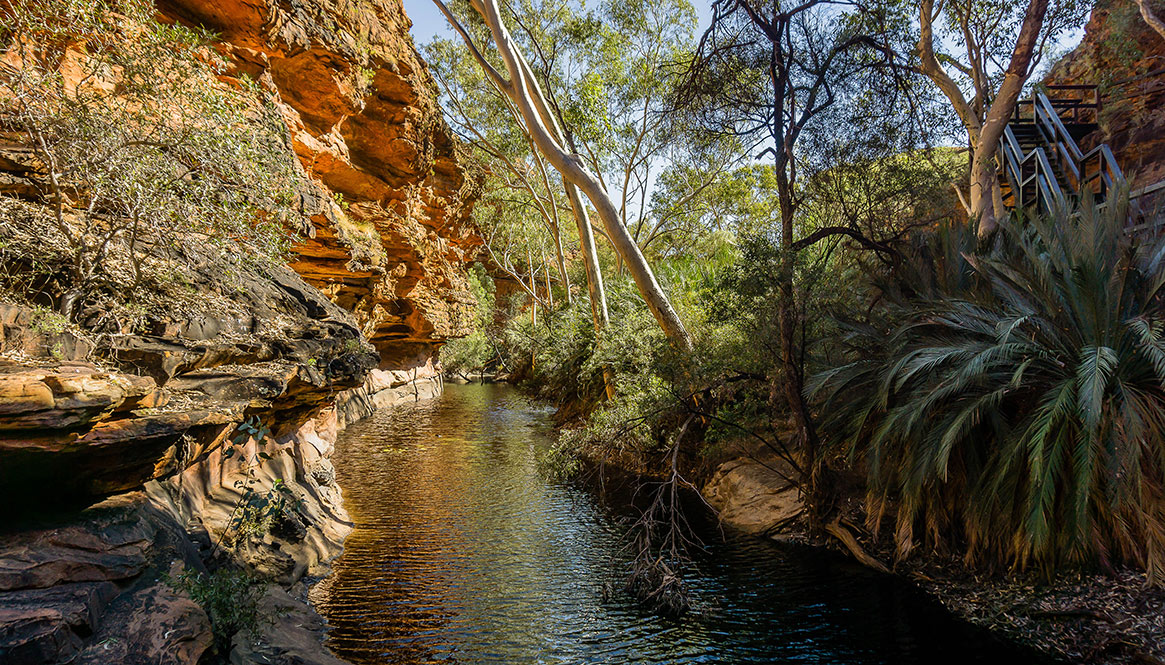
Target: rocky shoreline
1109 618
167 474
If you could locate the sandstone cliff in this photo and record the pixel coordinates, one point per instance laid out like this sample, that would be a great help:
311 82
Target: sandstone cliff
391 229
1125 57
133 453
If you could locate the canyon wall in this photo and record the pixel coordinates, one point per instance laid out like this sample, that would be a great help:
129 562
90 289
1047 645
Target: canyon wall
390 226
1122 55
201 438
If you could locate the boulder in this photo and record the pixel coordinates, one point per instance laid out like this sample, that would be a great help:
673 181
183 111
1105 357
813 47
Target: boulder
92 551
154 626
68 396
752 497
292 637
44 625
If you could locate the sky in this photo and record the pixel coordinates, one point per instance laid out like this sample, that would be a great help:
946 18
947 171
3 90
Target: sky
429 22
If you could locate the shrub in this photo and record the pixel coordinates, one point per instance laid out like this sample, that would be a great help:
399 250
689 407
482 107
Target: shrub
140 143
229 597
1019 399
474 352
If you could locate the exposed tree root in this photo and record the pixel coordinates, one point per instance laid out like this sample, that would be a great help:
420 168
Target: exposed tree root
842 533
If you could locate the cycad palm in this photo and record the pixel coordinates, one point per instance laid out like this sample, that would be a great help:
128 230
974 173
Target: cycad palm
1023 408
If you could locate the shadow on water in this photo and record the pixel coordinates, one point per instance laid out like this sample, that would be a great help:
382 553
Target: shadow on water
464 554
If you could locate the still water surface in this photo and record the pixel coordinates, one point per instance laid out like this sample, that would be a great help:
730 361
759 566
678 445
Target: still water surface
462 553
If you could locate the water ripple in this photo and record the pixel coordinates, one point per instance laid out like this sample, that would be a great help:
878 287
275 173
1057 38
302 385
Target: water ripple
463 554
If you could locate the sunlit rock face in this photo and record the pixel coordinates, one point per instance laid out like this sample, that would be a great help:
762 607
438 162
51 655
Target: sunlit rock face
154 419
1123 55
391 226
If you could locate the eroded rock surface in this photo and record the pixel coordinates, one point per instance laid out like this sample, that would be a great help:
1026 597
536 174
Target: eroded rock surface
1125 57
391 225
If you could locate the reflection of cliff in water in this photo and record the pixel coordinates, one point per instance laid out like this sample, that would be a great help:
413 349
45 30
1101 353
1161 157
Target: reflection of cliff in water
463 553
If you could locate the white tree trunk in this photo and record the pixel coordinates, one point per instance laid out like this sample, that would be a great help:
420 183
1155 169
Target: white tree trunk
524 90
1151 18
586 235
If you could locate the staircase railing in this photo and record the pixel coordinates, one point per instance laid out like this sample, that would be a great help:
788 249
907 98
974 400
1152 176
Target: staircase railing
1081 101
1096 170
1029 173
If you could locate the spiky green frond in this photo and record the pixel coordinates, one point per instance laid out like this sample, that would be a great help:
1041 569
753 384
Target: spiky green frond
1020 397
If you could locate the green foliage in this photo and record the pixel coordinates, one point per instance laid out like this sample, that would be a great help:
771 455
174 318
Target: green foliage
557 347
650 378
251 428
698 212
47 321
143 145
473 352
229 597
257 512
1017 396
561 461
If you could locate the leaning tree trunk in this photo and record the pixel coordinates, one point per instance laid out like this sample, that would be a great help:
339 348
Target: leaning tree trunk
599 313
526 94
586 235
1151 17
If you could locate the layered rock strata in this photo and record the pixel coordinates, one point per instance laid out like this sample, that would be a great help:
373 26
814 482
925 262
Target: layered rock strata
1122 55
199 439
390 229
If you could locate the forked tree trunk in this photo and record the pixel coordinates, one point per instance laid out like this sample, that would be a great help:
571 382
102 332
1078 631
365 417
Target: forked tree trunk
986 130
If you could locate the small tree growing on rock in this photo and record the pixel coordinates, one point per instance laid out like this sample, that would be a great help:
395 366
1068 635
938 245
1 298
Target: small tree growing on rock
130 142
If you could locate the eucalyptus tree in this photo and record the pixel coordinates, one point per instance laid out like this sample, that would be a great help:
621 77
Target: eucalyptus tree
483 108
609 75
557 142
980 54
516 176
776 75
520 250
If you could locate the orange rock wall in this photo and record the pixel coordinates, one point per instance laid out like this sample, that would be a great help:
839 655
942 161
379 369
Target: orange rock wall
391 216
1125 57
